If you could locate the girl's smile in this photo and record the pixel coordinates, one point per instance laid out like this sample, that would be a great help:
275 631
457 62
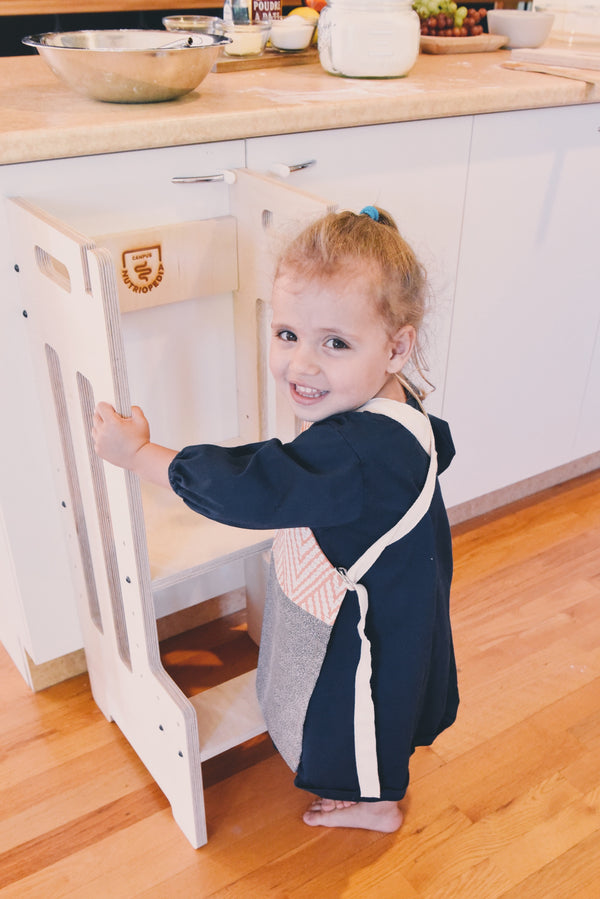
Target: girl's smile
330 350
307 394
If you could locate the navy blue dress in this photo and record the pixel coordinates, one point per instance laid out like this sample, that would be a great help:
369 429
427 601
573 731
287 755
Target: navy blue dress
349 479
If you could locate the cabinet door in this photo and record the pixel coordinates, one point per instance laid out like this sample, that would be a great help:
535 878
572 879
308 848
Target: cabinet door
415 170
526 309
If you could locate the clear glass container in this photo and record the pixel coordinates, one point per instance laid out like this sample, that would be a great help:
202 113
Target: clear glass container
368 38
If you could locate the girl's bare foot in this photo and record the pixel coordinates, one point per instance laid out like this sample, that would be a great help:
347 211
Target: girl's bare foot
385 817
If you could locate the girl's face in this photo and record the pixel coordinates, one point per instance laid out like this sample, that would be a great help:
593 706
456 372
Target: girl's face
330 350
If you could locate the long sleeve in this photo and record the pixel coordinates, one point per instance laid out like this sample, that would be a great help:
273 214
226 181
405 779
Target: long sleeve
314 481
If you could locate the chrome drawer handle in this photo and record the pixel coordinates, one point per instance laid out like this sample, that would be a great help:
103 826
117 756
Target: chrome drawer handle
226 175
279 168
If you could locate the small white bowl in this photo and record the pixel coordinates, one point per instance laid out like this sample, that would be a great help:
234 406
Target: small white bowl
247 39
292 33
522 27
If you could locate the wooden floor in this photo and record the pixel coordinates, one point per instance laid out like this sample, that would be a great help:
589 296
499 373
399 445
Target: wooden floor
505 804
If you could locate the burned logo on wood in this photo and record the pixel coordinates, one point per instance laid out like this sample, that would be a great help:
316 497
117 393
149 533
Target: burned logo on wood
142 268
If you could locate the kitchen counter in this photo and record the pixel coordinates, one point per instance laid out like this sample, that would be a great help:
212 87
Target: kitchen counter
40 118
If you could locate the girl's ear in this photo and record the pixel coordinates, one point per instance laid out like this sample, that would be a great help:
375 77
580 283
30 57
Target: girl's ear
403 343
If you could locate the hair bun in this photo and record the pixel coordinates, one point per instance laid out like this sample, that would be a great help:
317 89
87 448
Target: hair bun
371 211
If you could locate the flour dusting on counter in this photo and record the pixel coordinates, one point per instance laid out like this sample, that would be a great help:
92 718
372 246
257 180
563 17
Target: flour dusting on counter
350 90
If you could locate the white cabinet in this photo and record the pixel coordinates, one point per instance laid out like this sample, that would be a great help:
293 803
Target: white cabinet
415 170
522 391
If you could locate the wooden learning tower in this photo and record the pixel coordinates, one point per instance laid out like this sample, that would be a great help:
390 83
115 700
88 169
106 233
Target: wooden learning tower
97 309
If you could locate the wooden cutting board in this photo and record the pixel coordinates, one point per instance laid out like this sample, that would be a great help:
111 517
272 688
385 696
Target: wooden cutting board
270 58
571 57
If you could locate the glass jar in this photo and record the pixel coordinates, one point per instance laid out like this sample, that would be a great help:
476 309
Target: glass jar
368 38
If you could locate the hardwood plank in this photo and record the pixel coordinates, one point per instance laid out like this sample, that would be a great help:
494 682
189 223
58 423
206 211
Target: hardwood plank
481 879
573 874
550 839
197 659
583 771
509 764
488 848
30 752
119 864
504 805
46 848
368 880
382 867
69 792
504 702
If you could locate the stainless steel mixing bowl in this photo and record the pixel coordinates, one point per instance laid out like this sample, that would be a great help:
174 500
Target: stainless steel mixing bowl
128 65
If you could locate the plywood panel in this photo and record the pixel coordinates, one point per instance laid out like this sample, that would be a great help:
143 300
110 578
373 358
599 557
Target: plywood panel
78 353
75 327
173 262
268 213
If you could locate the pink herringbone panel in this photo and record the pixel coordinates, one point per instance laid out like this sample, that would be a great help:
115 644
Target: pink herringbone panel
306 575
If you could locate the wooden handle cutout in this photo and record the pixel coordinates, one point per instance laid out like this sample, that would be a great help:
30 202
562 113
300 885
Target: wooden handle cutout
68 452
53 269
86 399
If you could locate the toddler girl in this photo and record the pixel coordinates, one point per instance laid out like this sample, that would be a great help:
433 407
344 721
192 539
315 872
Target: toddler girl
356 665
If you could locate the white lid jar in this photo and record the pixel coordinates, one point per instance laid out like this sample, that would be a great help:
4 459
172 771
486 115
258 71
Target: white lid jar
368 38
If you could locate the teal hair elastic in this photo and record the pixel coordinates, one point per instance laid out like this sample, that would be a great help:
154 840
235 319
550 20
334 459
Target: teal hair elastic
370 211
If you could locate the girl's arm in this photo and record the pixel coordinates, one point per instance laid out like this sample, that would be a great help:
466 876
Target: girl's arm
126 442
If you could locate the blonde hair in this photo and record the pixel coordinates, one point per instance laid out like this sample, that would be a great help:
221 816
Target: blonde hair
345 240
